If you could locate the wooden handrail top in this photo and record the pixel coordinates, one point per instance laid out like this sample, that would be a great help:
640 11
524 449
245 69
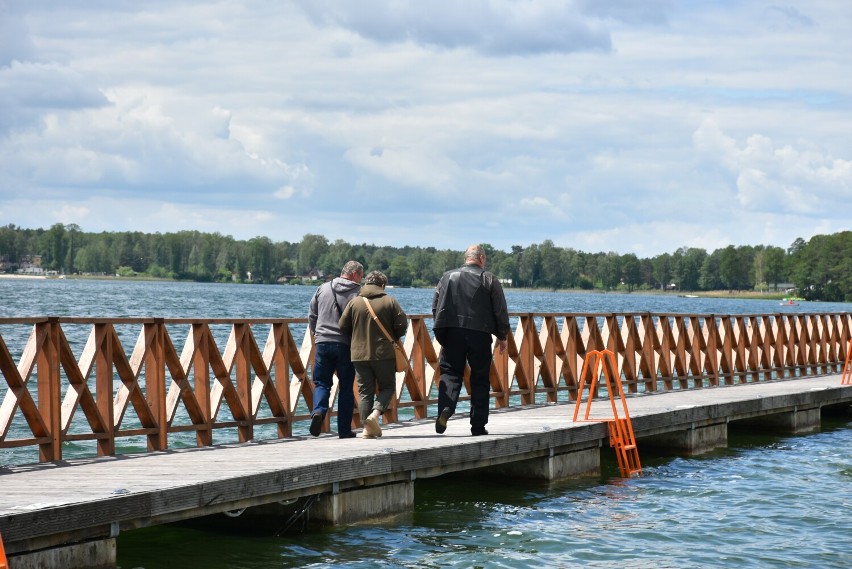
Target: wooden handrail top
303 320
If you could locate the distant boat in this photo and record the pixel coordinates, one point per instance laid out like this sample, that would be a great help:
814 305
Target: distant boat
688 295
788 302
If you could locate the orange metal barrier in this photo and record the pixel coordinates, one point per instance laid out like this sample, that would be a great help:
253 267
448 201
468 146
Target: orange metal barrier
4 564
847 369
621 436
241 379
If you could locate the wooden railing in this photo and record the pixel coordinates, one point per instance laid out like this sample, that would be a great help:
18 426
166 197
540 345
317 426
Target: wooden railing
249 390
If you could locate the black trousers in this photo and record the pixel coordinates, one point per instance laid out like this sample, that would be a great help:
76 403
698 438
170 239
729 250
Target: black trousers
460 346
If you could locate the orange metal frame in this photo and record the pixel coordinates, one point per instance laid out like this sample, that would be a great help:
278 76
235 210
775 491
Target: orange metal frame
4 564
621 436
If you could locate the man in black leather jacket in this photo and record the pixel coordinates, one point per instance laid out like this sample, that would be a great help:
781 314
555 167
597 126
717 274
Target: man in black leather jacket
468 308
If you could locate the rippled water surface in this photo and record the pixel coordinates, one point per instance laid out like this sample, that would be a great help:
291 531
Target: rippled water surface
122 298
763 502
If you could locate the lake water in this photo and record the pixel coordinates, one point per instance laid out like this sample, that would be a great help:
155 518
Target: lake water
763 502
122 298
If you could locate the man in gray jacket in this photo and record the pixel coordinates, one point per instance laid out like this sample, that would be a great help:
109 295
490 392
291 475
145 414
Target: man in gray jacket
332 349
469 307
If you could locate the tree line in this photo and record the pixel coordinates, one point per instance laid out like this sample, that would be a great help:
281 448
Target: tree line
820 268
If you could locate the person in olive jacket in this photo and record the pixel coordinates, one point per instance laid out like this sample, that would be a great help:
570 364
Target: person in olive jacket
372 353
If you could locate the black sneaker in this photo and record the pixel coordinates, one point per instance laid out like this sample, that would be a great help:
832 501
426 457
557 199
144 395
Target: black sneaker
316 424
478 431
441 421
349 435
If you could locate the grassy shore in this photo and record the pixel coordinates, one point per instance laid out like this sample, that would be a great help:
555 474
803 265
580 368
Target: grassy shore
751 294
744 294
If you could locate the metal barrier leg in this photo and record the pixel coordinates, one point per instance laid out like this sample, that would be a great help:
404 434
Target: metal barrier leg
4 564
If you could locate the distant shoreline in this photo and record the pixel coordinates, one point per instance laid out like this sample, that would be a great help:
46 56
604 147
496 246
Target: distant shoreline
14 276
743 294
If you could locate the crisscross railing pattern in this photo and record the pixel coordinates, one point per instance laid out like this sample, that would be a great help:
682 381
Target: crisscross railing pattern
241 391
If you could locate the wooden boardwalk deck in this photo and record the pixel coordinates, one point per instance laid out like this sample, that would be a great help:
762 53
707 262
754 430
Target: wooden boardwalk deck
46 505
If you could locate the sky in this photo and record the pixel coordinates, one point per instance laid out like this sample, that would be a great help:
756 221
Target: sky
625 126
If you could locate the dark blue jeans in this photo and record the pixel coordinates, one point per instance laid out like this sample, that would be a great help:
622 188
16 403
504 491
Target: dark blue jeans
331 357
460 346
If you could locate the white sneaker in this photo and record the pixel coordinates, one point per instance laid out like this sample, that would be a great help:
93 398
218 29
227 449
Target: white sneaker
372 428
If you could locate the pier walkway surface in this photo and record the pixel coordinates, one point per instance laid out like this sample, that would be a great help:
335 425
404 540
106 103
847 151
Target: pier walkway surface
69 513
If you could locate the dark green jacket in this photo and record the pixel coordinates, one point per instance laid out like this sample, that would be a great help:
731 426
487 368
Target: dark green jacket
368 342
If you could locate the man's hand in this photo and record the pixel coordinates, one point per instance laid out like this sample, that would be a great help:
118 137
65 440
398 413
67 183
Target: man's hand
502 345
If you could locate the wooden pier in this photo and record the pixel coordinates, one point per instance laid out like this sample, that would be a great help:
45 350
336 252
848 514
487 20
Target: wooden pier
244 405
68 513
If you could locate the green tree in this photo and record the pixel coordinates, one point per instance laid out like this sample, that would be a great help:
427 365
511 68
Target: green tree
400 272
529 269
609 270
174 248
420 267
508 269
572 267
95 258
260 259
774 259
662 270
733 268
73 231
687 270
311 249
56 246
380 260
630 273
337 255
822 267
552 274
710 279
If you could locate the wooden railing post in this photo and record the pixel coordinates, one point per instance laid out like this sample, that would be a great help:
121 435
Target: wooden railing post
423 357
49 392
277 353
242 363
155 382
201 380
104 386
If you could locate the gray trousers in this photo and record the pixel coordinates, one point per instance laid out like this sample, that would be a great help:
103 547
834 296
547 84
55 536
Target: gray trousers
372 374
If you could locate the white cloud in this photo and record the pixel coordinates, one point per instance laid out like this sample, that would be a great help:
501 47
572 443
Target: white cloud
285 192
770 178
69 214
15 42
603 126
540 207
493 27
